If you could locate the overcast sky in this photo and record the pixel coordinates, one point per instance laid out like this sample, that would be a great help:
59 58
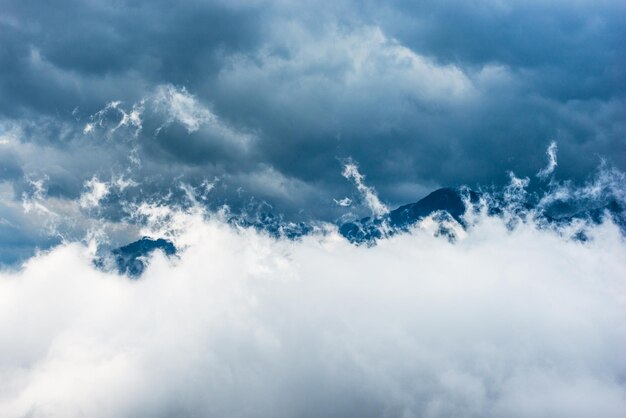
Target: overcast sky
265 100
128 118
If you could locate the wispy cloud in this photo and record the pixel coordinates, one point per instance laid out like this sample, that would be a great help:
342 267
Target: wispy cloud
549 169
351 172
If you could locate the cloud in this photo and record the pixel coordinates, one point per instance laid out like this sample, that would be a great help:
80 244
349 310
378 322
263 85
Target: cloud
96 191
345 202
112 118
165 106
519 323
354 60
180 106
351 172
422 95
130 119
549 169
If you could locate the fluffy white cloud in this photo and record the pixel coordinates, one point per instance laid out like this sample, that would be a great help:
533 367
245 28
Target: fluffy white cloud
96 190
516 323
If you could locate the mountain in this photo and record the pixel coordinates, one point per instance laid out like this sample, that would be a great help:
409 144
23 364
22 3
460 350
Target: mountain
273 225
446 207
446 204
131 259
448 200
564 213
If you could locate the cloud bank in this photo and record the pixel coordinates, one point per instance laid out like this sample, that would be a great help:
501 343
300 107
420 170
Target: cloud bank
422 95
520 323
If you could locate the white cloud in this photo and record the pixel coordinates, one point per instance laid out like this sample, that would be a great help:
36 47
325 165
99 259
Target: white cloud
96 190
518 323
178 105
607 182
182 107
126 119
351 172
34 198
342 68
549 169
345 202
9 135
170 104
122 183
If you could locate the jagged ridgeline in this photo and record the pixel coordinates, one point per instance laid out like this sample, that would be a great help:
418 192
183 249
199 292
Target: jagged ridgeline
447 206
447 210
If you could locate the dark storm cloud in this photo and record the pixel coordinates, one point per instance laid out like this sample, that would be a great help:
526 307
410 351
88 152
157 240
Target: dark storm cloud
565 42
420 94
72 53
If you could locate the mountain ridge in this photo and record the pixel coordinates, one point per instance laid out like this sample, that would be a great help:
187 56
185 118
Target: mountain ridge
447 207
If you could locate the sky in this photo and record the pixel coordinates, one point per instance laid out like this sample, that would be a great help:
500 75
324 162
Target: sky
270 97
123 119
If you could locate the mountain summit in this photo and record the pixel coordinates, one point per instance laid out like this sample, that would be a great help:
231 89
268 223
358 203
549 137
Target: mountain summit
447 204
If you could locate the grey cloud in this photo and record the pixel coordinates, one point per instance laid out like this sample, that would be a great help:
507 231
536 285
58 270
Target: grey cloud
421 95
557 42
76 53
10 168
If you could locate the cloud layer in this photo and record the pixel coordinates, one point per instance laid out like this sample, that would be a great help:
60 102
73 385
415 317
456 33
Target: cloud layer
422 95
519 323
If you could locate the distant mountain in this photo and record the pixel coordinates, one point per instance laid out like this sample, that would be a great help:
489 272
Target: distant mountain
446 207
560 211
273 225
448 200
447 204
131 259
564 213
